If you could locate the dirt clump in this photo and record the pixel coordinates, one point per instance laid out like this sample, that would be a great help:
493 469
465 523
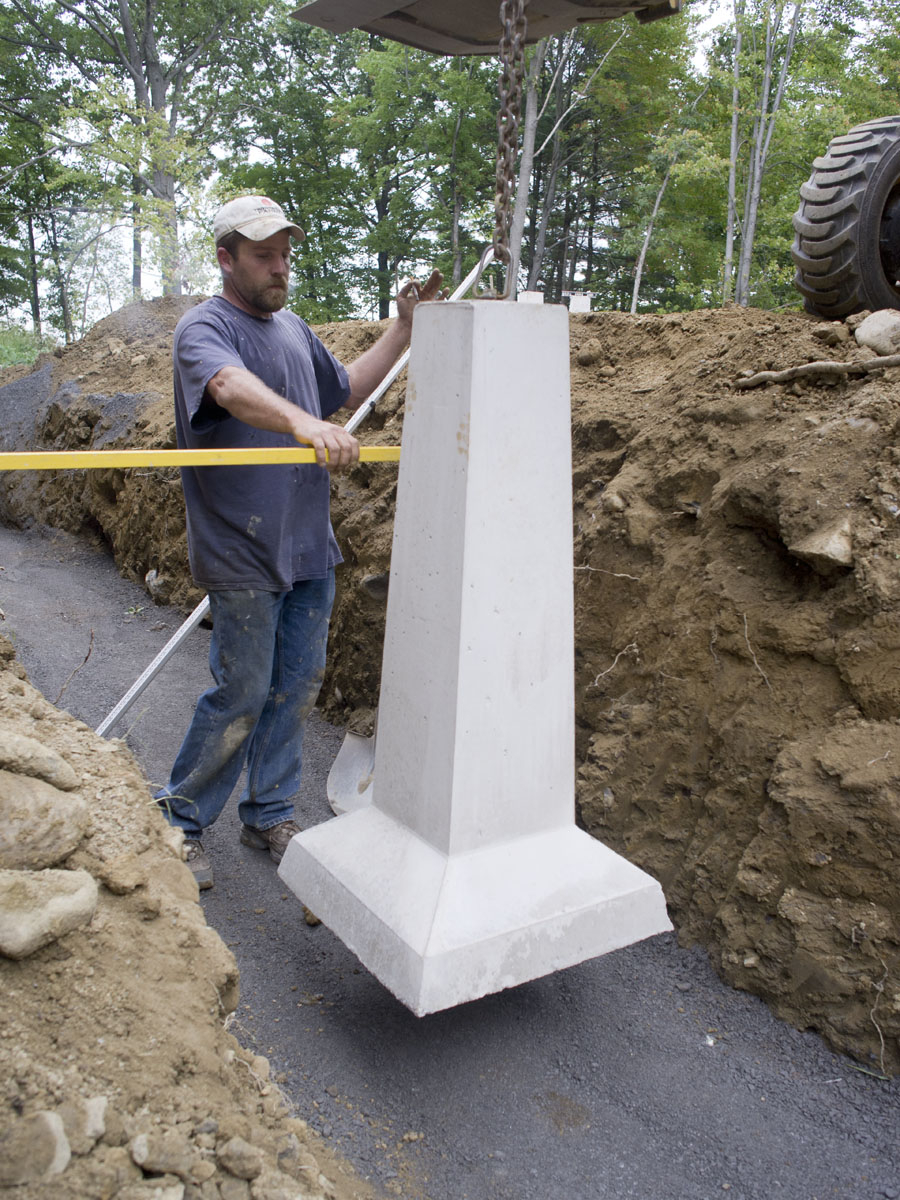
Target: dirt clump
737 571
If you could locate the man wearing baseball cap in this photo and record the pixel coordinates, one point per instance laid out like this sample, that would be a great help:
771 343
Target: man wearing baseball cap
249 373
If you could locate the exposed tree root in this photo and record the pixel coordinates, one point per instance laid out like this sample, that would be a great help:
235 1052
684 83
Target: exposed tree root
824 368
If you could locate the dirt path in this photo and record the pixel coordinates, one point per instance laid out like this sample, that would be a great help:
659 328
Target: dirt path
639 1074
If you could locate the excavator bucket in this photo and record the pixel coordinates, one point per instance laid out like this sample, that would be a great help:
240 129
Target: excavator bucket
468 26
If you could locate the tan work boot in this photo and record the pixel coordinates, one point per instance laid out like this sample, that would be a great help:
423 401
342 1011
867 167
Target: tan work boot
274 839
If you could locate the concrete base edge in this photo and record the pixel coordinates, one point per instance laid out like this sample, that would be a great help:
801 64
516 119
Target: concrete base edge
440 930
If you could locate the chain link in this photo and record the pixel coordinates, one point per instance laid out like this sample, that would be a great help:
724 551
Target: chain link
509 88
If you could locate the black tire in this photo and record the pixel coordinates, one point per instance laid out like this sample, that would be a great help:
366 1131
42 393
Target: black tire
847 243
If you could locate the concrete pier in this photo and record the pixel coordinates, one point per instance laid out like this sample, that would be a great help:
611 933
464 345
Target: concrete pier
466 873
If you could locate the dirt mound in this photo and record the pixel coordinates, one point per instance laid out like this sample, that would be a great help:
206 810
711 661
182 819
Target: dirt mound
120 1075
737 560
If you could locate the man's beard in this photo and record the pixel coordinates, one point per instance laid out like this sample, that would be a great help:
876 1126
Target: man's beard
271 298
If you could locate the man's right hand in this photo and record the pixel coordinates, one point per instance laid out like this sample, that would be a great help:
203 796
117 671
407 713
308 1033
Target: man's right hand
335 448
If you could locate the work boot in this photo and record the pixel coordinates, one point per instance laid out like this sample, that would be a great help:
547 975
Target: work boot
275 839
200 865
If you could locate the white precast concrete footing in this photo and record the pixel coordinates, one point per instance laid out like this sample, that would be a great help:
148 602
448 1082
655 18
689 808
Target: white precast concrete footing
466 872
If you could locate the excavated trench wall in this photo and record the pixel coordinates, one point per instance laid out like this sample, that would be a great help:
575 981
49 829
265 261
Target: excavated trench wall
737 568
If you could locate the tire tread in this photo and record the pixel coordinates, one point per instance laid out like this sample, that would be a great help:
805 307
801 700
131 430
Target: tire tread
837 229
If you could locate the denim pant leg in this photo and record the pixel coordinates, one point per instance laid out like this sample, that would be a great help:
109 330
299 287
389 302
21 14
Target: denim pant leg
213 752
275 754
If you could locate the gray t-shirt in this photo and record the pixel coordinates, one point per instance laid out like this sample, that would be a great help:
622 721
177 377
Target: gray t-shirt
264 526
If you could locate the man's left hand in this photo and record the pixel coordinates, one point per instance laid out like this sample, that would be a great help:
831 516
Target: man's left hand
413 292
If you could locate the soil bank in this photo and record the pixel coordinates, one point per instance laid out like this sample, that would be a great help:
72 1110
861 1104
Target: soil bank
737 564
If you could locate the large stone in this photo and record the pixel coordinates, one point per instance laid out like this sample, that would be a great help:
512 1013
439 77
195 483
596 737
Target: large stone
166 1153
123 874
84 1122
39 824
240 1158
23 755
829 550
880 331
32 1149
37 907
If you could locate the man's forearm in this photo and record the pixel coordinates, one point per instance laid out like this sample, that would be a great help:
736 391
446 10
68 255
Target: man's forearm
367 371
245 396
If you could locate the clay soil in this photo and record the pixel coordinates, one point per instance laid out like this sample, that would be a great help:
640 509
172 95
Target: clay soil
737 576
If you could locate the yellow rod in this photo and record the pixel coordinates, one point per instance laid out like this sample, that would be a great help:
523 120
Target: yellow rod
58 460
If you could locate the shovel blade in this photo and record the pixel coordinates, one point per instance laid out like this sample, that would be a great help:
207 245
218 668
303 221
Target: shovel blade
349 785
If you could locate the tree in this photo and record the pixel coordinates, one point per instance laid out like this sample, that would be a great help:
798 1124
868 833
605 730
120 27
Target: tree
646 176
701 230
41 189
600 93
379 149
135 70
772 60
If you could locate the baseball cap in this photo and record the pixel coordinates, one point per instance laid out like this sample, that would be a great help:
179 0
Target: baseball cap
256 217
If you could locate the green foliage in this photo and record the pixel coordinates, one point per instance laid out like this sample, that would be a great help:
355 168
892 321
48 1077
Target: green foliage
607 92
383 152
833 84
386 155
122 100
19 345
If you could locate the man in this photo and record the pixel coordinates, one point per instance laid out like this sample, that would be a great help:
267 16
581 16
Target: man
248 373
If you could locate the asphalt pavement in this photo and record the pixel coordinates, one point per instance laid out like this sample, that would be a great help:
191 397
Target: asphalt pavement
636 1076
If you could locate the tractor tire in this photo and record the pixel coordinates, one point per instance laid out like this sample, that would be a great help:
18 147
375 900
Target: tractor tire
847 228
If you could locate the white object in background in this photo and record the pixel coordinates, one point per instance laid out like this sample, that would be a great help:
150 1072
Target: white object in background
580 302
466 873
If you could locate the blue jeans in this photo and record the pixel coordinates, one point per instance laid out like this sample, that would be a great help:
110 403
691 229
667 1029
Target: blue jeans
267 657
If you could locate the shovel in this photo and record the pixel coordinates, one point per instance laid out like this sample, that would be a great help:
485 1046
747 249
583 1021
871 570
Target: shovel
349 784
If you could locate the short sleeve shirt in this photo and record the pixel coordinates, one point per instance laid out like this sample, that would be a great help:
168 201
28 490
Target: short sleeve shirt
261 526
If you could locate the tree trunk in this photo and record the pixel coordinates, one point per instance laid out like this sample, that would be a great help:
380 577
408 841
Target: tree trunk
382 205
456 204
728 265
137 250
540 245
35 298
593 208
764 128
454 238
574 232
164 191
526 163
639 266
65 307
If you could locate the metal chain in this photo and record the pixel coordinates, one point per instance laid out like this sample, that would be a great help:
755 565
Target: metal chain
509 88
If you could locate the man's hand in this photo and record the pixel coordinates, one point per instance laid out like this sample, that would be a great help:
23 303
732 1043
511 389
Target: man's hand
367 371
413 292
335 448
